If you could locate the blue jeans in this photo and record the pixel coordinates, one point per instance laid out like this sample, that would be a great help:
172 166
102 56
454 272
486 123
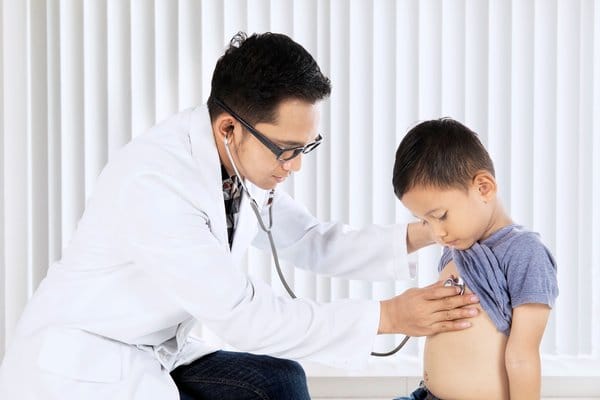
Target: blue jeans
226 375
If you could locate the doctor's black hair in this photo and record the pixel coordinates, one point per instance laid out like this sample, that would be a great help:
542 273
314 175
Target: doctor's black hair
257 72
440 153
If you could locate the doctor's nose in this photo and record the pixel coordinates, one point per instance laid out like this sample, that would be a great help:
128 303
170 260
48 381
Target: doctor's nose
294 164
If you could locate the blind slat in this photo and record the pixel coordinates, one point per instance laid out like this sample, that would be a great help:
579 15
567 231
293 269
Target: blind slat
166 57
95 90
119 74
340 76
544 134
520 197
595 189
382 122
38 139
212 10
54 131
383 106
190 53
452 39
80 78
477 66
429 56
585 191
302 23
143 85
237 18
282 17
567 141
15 167
499 95
3 297
72 126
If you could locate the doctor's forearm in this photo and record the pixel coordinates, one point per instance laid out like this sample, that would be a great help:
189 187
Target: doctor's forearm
417 236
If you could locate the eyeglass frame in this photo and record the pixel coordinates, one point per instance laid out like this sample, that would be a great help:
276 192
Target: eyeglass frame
275 149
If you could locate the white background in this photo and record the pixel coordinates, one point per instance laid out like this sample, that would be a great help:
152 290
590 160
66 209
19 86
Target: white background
80 78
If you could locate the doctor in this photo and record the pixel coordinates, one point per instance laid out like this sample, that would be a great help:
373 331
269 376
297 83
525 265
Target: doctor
159 245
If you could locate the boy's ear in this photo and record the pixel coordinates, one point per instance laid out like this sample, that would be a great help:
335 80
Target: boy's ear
485 184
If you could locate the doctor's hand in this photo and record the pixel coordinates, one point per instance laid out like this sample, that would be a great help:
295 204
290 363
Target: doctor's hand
426 311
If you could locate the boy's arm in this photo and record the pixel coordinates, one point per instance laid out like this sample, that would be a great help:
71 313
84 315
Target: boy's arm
522 358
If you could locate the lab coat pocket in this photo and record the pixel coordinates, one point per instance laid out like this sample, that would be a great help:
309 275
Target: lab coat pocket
82 356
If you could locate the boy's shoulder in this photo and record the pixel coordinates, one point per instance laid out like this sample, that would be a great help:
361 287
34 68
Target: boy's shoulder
517 246
512 237
510 244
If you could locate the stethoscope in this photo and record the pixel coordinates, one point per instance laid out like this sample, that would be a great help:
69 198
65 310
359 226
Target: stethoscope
452 281
265 227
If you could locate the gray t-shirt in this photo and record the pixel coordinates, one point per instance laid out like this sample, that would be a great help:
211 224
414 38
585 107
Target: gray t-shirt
510 268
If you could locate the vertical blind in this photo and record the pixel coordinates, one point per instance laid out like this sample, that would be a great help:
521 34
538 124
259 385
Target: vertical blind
80 78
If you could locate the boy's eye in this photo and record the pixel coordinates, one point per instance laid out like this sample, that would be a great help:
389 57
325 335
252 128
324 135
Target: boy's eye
423 222
443 217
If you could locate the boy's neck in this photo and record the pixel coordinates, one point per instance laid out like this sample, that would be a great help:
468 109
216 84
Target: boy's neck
498 220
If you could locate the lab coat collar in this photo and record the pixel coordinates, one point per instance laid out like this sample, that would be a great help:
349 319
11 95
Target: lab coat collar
204 150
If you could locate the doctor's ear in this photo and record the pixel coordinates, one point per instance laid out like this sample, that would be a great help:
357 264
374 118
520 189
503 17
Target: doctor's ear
225 128
228 133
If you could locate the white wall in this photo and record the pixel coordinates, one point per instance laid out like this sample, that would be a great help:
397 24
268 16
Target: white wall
79 78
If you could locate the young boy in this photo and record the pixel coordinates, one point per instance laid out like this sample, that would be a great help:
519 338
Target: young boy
445 177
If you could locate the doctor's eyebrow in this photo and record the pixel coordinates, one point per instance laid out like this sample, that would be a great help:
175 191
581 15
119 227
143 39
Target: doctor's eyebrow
289 143
292 143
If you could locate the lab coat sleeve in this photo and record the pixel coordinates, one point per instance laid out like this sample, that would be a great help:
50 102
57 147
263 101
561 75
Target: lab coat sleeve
170 240
372 253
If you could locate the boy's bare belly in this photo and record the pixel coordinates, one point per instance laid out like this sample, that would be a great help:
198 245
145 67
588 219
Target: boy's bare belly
468 364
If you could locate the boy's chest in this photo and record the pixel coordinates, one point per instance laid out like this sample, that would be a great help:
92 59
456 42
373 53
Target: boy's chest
450 271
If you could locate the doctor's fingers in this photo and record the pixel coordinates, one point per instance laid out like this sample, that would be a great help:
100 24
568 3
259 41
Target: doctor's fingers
454 314
447 326
437 291
454 301
452 319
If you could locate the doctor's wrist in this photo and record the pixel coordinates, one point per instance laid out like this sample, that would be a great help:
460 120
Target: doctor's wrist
417 236
386 313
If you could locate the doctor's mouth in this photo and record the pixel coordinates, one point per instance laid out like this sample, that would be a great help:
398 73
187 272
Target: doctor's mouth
280 179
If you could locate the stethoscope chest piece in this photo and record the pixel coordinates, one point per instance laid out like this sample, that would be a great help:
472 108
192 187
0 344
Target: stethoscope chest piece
455 281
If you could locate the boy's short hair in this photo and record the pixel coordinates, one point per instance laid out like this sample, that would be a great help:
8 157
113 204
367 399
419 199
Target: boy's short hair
440 153
258 72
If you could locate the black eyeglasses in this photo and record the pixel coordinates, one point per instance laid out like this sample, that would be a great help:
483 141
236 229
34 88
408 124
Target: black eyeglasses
280 153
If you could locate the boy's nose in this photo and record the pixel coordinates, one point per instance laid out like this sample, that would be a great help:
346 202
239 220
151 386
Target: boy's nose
439 232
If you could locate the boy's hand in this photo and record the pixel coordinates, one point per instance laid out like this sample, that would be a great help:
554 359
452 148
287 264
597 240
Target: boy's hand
426 311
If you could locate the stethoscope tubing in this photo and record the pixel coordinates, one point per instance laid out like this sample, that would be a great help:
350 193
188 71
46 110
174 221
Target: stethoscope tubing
267 229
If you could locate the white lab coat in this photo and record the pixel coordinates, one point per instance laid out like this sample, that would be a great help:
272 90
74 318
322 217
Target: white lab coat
150 257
